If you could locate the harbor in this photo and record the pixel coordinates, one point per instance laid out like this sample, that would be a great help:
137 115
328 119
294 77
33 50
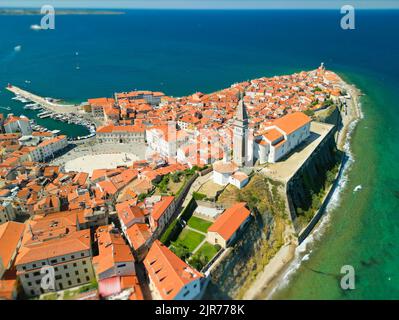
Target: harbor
49 108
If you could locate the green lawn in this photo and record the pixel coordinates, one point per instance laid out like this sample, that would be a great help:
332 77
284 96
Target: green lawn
199 224
190 239
208 250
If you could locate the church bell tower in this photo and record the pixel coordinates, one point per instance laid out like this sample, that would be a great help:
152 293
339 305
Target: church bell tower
240 139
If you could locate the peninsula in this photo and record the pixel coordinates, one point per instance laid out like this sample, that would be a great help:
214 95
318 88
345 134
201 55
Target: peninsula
201 196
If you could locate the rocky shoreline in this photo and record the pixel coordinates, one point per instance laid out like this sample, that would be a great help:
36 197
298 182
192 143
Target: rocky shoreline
268 281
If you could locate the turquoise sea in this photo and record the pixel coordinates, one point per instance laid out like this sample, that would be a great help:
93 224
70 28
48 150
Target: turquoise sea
180 52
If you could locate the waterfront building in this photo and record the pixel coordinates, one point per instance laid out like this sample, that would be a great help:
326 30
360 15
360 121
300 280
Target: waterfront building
281 137
15 124
98 105
153 98
170 277
48 148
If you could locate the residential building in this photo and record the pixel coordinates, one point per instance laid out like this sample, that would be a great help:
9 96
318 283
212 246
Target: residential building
54 249
15 124
10 240
161 212
48 148
170 277
7 212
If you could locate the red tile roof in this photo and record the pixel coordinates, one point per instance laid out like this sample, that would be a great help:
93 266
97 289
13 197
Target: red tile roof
230 220
167 271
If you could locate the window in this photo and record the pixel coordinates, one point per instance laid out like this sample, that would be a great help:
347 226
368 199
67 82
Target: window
84 261
72 256
32 292
27 275
82 254
67 274
58 277
78 280
65 266
74 264
69 282
86 271
186 293
87 278
77 272
35 274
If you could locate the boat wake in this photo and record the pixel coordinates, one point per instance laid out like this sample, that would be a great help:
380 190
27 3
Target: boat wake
304 250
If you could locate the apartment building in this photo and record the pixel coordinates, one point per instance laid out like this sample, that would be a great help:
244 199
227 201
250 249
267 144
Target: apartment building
15 124
10 238
162 209
7 212
98 105
48 148
170 277
54 252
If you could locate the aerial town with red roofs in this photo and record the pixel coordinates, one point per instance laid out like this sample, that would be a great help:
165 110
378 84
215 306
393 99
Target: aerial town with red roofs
158 207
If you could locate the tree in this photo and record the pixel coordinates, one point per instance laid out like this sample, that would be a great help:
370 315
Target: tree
198 261
180 250
309 112
176 177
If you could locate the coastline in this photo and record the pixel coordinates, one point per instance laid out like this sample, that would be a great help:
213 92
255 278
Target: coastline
269 280
33 12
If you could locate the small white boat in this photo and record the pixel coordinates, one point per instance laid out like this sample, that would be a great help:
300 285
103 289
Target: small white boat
357 188
35 27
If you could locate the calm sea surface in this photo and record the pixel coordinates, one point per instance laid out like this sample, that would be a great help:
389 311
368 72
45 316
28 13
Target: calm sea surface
180 52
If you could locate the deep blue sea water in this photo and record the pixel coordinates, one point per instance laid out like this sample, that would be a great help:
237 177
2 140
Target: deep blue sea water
180 52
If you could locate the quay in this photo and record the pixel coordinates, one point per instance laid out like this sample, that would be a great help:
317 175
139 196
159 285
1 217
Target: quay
51 106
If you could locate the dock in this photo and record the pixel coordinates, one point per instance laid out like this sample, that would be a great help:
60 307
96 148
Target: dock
45 103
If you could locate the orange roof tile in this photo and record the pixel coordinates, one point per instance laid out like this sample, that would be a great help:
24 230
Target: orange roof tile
230 220
167 271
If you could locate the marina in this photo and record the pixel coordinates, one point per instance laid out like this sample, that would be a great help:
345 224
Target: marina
49 108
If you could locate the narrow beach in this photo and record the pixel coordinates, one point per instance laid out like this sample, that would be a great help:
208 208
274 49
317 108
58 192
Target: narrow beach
269 279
